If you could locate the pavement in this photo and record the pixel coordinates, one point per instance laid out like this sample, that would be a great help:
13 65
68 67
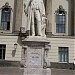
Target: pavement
9 71
52 71
62 72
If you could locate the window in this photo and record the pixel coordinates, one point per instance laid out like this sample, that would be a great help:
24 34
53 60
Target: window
2 51
60 20
63 54
60 23
5 17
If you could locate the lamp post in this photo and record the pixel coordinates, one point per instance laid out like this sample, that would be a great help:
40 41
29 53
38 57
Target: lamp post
15 46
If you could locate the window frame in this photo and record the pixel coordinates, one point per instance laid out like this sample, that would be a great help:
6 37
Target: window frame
60 12
3 14
11 19
63 51
60 25
3 50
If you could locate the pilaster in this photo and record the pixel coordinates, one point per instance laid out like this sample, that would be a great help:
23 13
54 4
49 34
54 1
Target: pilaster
49 17
18 14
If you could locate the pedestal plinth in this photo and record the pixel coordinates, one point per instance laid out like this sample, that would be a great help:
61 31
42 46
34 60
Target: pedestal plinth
35 55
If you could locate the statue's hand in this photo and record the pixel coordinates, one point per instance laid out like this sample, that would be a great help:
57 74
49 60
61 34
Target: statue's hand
26 12
25 9
43 15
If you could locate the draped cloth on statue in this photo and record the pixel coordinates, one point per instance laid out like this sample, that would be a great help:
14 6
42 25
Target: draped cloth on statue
35 9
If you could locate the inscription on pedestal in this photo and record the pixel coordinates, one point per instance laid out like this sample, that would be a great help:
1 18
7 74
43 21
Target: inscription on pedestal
35 57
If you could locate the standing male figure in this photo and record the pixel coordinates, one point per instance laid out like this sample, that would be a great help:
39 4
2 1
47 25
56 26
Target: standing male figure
35 9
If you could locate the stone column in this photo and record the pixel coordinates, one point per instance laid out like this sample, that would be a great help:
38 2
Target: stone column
49 17
72 17
18 14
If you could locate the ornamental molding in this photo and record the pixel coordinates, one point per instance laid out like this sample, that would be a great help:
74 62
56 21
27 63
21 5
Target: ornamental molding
6 6
60 9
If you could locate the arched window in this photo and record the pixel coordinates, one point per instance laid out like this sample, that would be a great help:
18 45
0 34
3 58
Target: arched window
5 17
60 20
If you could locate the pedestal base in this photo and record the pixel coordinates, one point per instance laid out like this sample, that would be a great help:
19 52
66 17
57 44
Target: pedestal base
35 55
37 71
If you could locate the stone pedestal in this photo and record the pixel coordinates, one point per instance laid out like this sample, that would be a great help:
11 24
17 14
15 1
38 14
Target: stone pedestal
35 55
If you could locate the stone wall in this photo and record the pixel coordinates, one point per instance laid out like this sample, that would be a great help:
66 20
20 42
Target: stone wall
52 6
9 41
55 42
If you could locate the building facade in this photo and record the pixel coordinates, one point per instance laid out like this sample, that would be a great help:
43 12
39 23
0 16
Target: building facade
60 30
